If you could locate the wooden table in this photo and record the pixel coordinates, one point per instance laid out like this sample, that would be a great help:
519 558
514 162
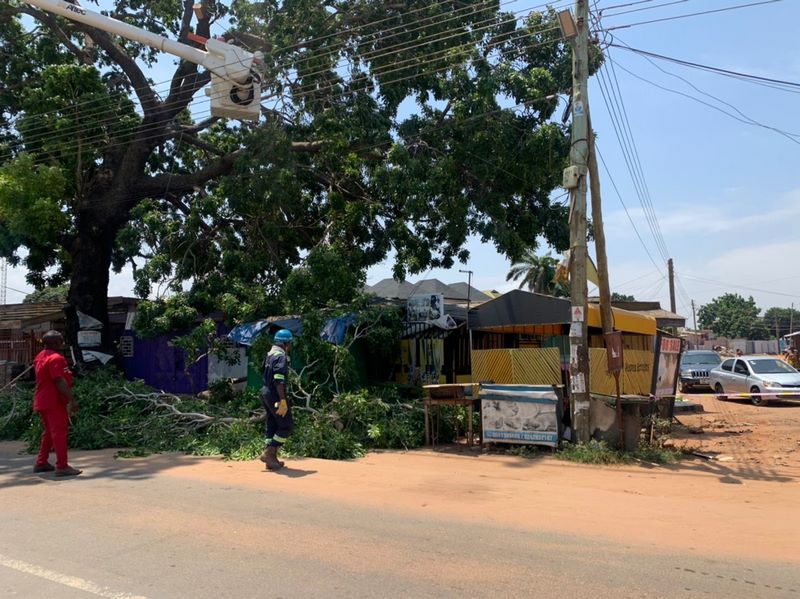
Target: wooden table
447 395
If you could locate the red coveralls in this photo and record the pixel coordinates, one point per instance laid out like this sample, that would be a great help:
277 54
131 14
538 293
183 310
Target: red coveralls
52 406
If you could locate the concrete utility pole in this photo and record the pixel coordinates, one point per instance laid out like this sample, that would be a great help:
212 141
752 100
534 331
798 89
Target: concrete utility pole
671 286
791 319
694 316
575 181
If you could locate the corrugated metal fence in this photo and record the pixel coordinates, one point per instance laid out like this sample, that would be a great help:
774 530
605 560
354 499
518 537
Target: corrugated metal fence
534 366
542 366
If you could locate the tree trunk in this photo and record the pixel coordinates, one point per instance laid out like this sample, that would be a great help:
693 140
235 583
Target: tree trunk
88 290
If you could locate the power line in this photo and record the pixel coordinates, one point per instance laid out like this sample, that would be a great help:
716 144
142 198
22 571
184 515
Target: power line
386 51
730 285
629 160
720 71
314 89
621 201
648 202
694 14
746 120
625 12
463 121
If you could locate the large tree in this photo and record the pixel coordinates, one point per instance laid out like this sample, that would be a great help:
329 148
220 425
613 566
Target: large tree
387 127
732 316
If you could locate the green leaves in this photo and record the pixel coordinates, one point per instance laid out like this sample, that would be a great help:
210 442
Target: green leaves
730 315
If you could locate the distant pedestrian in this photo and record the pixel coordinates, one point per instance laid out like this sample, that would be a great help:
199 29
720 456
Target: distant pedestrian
739 353
54 402
792 358
273 395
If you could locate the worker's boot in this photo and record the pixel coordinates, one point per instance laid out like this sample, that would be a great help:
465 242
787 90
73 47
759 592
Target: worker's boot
270 458
265 454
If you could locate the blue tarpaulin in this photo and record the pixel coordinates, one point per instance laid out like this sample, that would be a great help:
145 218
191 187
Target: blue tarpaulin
335 329
333 332
246 334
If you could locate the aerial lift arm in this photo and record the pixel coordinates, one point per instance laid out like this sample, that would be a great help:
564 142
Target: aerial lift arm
235 85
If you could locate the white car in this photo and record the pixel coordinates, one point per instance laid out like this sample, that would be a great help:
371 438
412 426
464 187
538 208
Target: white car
767 376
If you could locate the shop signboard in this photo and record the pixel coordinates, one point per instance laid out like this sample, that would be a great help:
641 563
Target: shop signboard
666 366
523 414
424 308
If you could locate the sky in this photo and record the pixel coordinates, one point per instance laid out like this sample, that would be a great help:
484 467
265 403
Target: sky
725 201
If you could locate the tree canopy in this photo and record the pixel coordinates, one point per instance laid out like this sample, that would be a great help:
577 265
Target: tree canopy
732 316
387 130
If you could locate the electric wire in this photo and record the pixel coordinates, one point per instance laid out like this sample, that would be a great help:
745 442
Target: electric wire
243 176
314 89
629 148
624 207
386 51
694 14
648 198
756 79
742 287
625 12
626 152
143 130
746 120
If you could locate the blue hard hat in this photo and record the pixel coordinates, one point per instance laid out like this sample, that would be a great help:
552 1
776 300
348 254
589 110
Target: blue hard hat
284 336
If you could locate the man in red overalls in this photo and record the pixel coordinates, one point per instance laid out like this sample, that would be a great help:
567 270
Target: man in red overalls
54 402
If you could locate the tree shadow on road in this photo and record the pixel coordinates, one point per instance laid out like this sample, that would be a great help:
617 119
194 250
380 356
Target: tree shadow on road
730 473
16 466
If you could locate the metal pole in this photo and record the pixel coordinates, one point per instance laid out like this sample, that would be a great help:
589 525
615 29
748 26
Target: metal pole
579 159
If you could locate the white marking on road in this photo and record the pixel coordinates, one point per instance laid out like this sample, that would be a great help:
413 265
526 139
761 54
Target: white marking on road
68 581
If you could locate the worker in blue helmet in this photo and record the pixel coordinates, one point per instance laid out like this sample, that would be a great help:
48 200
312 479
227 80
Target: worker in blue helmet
273 396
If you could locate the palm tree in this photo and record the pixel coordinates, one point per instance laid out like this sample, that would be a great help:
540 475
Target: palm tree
537 273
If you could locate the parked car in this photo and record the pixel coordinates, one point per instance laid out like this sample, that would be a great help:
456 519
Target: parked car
696 365
756 374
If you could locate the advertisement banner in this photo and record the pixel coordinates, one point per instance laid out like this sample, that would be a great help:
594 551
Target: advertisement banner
523 414
424 308
666 365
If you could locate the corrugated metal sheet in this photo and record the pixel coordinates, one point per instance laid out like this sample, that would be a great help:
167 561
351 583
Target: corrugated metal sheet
636 379
539 366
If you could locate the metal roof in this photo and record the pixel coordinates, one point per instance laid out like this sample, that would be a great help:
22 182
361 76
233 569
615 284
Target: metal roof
393 289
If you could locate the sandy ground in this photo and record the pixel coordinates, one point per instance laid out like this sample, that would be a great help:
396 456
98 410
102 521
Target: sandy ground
744 502
760 439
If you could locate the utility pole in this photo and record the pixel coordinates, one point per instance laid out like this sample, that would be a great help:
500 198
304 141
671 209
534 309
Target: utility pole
575 182
671 286
694 317
603 284
469 292
791 319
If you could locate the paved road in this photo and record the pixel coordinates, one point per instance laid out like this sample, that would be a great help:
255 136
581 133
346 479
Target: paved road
168 531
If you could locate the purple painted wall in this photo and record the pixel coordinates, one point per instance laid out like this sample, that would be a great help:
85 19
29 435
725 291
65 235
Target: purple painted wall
161 365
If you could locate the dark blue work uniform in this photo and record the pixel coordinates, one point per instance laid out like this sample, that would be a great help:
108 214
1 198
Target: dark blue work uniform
276 370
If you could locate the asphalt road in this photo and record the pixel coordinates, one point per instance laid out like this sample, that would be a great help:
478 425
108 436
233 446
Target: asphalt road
126 531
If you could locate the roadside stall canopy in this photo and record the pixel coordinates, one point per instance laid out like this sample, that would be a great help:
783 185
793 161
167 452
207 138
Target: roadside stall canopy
624 320
519 309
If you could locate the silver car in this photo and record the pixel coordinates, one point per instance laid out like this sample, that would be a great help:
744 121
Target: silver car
767 376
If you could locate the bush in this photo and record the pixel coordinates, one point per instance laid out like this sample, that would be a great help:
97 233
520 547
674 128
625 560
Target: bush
598 452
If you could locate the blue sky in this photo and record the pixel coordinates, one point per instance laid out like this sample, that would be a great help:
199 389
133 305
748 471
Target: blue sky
724 192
